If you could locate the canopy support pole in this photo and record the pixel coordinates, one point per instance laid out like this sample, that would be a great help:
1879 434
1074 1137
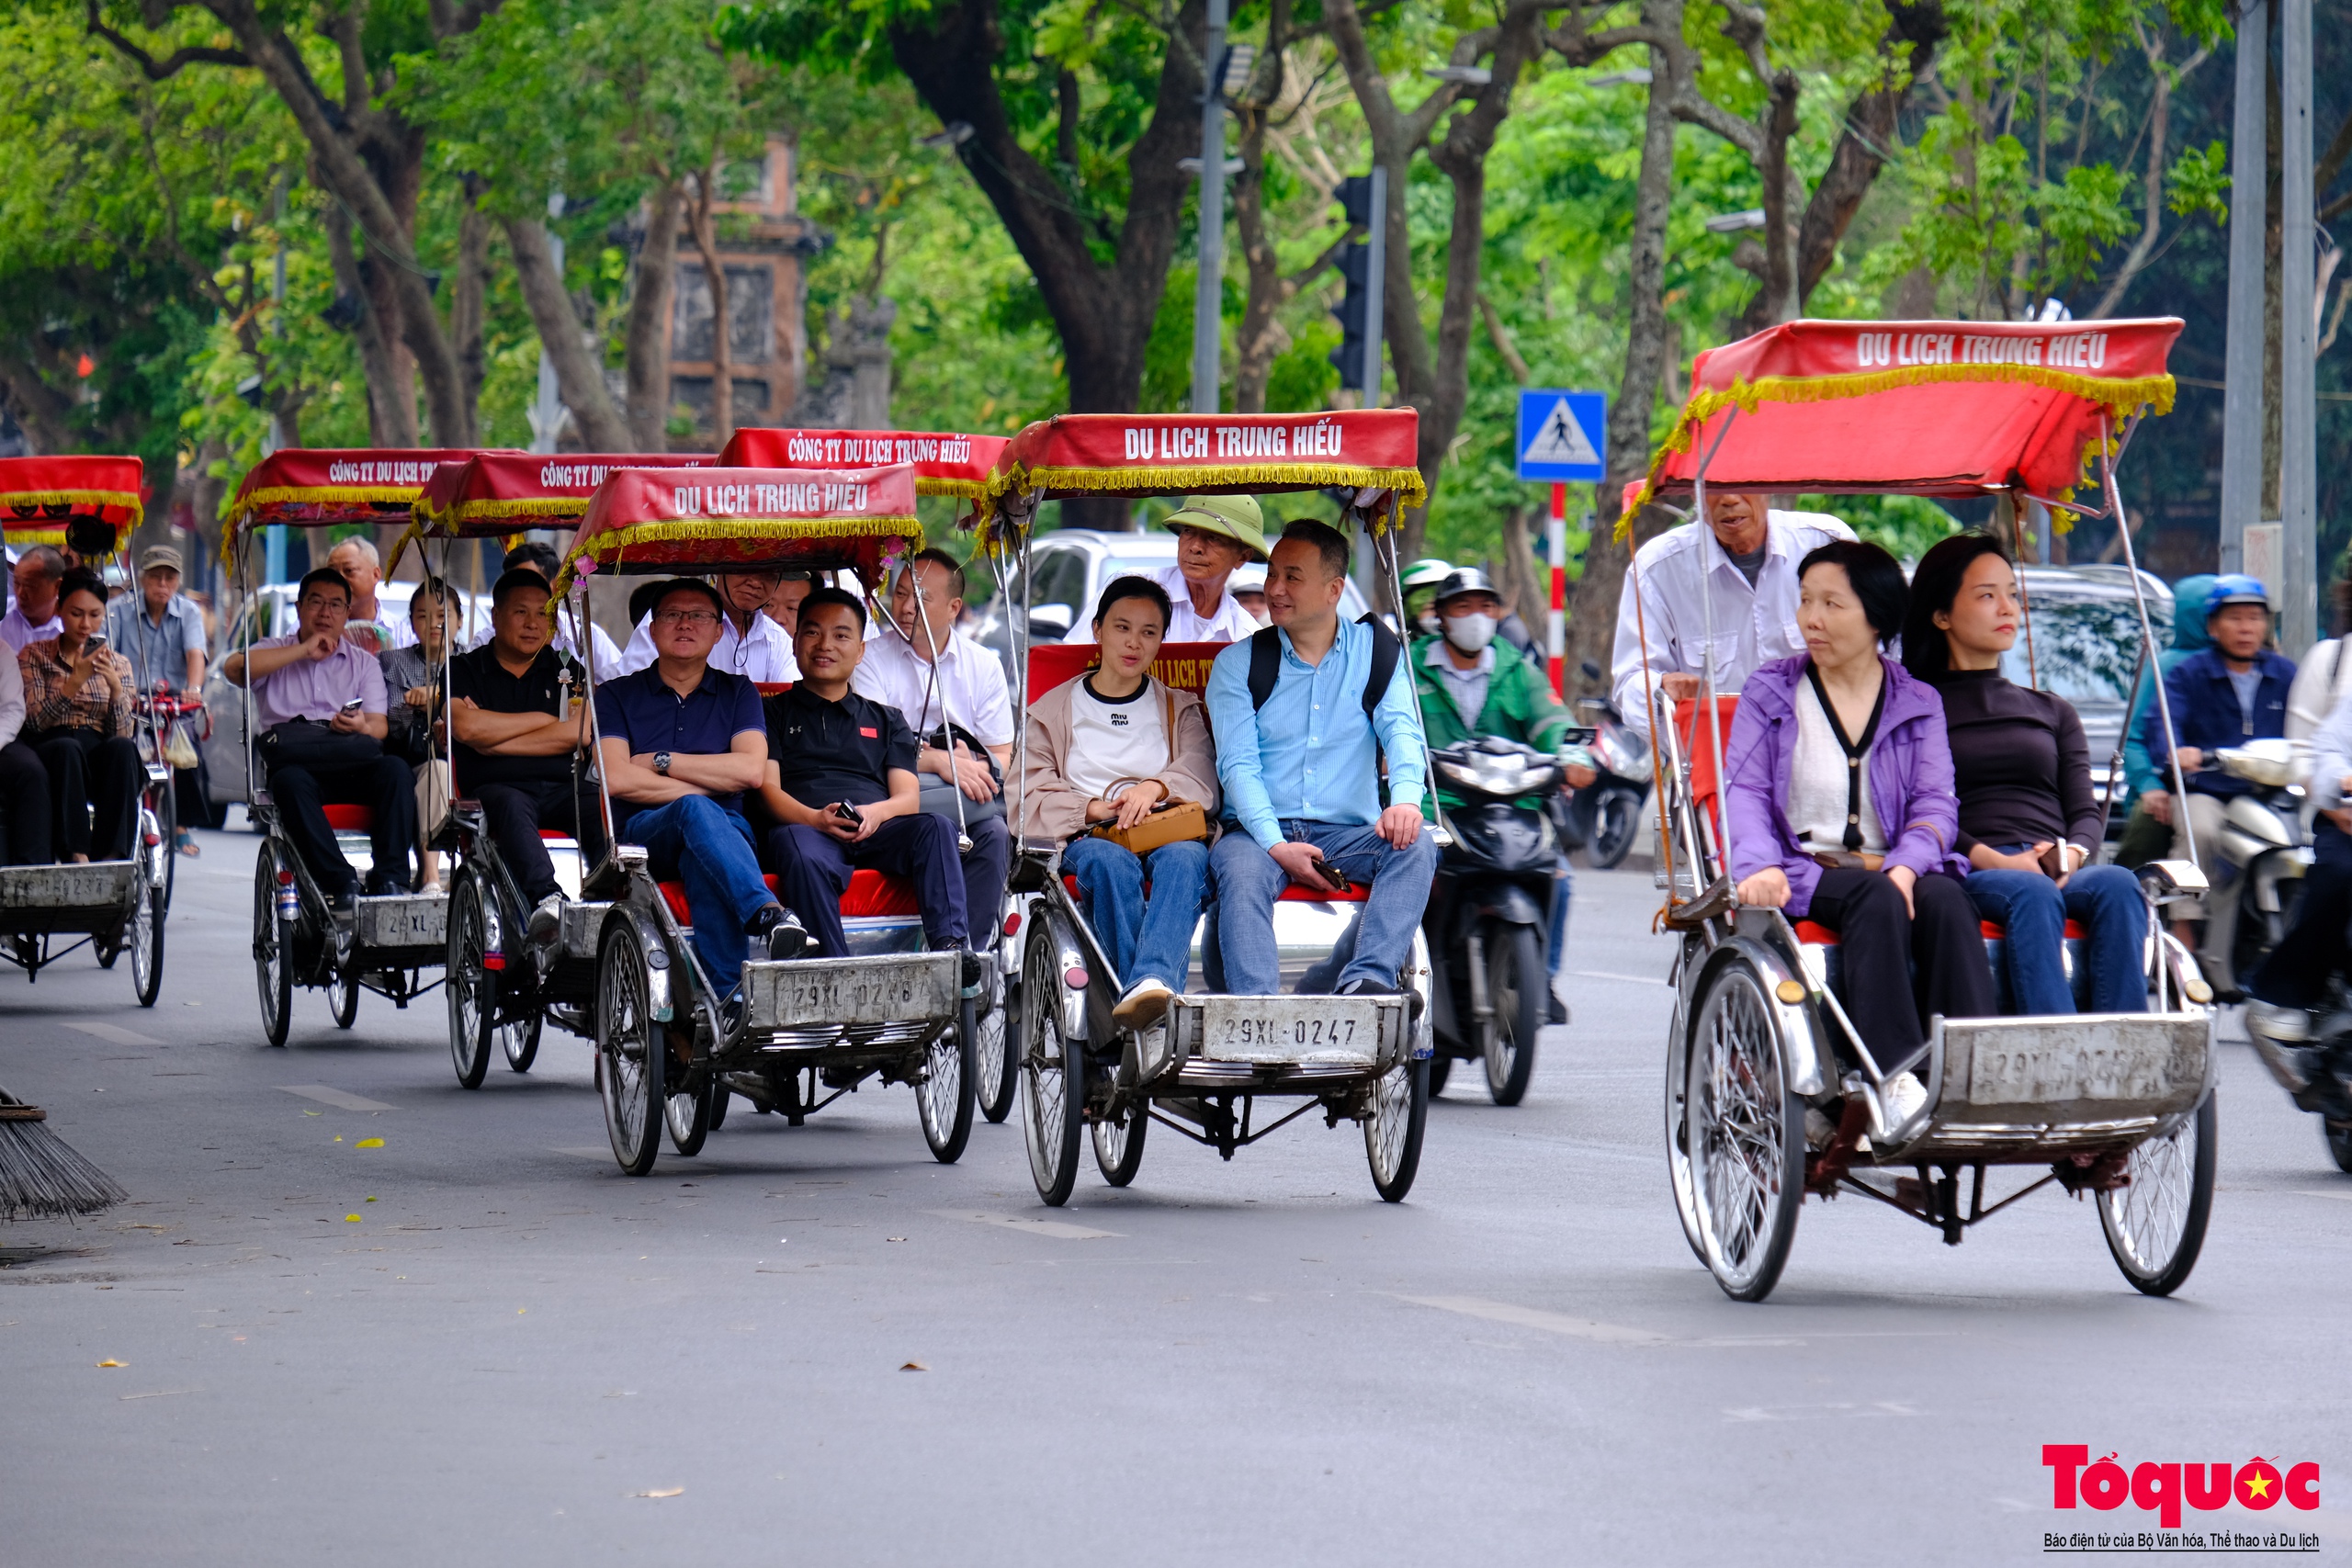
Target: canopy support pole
1440 834
580 610
1707 546
2147 633
938 689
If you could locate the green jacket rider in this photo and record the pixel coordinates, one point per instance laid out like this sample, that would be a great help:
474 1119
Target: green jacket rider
1468 688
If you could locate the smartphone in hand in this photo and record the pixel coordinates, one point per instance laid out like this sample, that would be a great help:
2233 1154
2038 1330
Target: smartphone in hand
354 706
847 815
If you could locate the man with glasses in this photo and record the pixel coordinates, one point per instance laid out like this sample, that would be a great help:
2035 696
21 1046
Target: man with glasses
749 644
681 741
515 741
161 631
320 702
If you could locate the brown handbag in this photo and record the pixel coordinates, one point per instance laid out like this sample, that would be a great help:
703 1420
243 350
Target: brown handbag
1170 822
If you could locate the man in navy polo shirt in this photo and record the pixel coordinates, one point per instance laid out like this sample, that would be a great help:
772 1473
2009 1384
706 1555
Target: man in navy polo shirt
829 747
681 742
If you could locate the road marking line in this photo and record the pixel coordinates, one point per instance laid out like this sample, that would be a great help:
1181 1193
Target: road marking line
114 1034
159 1394
1818 1412
585 1150
1057 1228
337 1098
1627 979
2339 1197
1536 1317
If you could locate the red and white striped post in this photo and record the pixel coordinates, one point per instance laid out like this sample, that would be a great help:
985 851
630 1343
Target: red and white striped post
1556 541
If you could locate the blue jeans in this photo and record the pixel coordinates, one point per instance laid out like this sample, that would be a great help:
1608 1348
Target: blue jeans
695 840
2105 898
1142 937
1561 886
1249 880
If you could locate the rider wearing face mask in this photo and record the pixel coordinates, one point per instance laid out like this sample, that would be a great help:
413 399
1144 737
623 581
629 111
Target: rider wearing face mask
1472 684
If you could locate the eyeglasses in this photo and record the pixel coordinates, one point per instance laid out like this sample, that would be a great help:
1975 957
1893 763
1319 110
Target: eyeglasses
686 618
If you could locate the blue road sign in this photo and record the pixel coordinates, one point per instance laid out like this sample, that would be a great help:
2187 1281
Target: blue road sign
1561 435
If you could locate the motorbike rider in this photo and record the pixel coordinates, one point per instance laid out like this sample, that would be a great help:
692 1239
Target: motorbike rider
2233 691
1743 559
2294 981
1466 692
2145 838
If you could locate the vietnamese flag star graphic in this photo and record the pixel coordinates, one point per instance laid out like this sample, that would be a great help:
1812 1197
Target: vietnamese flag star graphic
2258 1483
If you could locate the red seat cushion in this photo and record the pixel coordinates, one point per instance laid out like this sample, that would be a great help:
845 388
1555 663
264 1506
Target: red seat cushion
674 895
870 893
1820 936
2075 932
552 834
350 819
1808 931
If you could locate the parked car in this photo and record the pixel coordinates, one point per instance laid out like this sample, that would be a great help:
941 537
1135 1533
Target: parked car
2085 649
269 612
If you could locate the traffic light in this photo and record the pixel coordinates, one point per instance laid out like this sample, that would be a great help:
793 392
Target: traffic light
1355 306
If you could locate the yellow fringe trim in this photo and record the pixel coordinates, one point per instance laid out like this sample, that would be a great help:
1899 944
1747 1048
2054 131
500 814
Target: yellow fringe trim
2122 395
122 500
612 543
1173 481
44 533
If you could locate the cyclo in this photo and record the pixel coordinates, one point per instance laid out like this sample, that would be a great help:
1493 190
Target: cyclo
89 505
382 944
1771 1093
1203 1069
498 986
945 464
814 1029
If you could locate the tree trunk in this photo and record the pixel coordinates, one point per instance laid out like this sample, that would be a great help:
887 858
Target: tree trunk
1593 605
392 420
465 297
579 373
647 337
1781 216
722 335
1260 337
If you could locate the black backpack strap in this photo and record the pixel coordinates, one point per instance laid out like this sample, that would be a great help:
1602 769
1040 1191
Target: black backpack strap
1265 665
1386 650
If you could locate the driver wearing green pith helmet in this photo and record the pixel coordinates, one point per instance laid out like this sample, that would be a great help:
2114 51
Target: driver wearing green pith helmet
1468 691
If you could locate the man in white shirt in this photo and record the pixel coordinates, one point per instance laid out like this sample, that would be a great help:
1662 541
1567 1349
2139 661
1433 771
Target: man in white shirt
750 643
369 627
1746 557
1214 534
898 670
33 618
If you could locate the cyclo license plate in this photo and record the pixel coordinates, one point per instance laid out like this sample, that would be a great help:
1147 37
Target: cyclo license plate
1288 1029
857 990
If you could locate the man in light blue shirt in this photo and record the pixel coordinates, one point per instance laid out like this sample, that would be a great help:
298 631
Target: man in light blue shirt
1299 759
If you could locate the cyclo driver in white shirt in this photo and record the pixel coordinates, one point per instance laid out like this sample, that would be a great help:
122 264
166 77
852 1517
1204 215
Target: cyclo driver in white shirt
1214 533
1746 557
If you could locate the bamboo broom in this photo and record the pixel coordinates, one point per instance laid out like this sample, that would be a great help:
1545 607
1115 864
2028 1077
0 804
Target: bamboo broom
41 1177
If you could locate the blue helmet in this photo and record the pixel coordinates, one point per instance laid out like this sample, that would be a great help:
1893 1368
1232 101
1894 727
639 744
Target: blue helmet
2235 588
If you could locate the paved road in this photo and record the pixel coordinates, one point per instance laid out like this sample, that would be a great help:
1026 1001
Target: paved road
477 1343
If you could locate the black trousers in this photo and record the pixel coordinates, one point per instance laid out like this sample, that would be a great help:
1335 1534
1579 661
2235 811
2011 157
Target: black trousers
91 775
515 812
2296 973
24 806
812 871
1900 968
385 785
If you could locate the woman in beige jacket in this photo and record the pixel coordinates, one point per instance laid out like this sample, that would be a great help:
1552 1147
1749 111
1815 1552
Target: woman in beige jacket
1107 747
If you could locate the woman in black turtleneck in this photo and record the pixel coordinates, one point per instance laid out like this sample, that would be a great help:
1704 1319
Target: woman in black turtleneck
2028 822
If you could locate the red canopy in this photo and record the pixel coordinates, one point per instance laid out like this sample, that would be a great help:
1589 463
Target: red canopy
39 496
944 464
733 519
1919 408
310 488
495 494
1140 455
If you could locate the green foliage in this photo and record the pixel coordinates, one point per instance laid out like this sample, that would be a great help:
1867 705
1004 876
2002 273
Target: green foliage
2200 182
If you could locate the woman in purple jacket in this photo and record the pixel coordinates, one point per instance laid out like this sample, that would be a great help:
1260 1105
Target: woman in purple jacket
1840 801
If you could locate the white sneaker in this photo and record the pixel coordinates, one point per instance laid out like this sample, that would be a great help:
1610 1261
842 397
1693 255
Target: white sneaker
1903 1095
547 917
2288 1026
1142 1004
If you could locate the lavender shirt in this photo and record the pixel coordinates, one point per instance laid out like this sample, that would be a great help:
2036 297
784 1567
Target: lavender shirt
308 689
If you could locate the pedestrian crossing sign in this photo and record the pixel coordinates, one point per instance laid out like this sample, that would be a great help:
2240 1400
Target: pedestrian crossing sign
1561 435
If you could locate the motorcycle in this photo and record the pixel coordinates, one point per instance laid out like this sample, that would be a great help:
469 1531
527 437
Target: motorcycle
1604 817
2262 840
1488 922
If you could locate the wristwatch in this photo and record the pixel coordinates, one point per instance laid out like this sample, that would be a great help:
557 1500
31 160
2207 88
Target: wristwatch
661 763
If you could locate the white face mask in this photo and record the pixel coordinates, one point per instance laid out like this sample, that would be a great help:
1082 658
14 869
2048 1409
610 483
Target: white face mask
1470 633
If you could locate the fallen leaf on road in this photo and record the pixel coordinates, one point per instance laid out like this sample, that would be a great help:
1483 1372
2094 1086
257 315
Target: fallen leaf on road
664 1492
353 1219
368 1143
109 1363
914 1367
310 1113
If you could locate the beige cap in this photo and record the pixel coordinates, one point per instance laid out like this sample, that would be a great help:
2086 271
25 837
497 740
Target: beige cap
158 555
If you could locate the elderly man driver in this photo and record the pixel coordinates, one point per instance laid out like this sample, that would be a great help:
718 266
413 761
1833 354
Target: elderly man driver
368 627
1738 569
1214 535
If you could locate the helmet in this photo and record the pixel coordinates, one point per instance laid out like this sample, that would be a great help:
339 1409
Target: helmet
1427 573
2235 588
1235 517
1461 580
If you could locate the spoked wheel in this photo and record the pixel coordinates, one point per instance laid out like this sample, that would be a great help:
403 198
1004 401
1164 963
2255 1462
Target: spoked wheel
1119 1146
1744 1138
1392 1133
521 1043
1440 1069
945 1097
1518 988
1053 1075
719 1096
147 939
629 1052
691 1115
472 989
343 995
2155 1224
999 1067
167 824
1616 821
2339 1142
271 939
